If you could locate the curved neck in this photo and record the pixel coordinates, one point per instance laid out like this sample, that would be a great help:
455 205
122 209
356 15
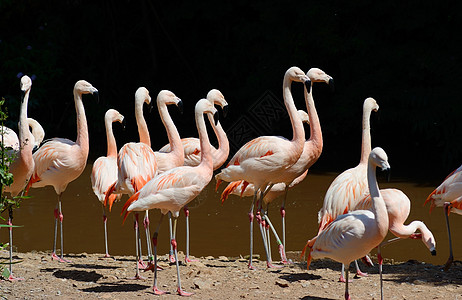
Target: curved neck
297 127
82 127
206 149
378 205
141 123
366 137
172 132
315 125
111 142
221 155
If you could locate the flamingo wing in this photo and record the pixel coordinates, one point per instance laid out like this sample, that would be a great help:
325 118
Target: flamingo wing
104 174
448 191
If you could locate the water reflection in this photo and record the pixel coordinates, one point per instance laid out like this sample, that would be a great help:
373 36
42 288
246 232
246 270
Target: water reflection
216 229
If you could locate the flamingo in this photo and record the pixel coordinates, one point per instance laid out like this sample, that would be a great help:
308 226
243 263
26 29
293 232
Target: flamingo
192 150
173 189
398 209
136 164
246 190
261 159
354 234
11 140
104 171
348 187
22 165
448 195
60 161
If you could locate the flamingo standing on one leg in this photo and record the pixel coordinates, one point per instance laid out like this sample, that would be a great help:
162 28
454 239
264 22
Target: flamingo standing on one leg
349 187
448 195
263 158
136 163
60 161
353 235
192 153
22 165
104 171
173 189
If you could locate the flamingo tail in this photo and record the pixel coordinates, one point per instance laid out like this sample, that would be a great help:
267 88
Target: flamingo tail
127 204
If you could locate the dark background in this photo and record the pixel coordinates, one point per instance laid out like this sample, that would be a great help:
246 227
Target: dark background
405 54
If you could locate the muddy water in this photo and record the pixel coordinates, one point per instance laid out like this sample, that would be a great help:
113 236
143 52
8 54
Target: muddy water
216 229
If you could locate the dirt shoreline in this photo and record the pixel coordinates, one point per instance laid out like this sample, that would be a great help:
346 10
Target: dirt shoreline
89 276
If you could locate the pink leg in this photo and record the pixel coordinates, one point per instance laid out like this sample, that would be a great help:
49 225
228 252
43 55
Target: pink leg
137 237
105 234
10 223
187 259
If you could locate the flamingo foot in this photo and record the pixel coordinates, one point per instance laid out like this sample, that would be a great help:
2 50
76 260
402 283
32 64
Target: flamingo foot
342 279
448 264
283 255
141 264
171 258
150 267
188 260
347 296
12 278
367 261
361 274
138 277
157 291
271 266
251 267
183 293
59 259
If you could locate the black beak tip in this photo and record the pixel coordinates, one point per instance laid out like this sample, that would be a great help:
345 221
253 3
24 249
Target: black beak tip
180 106
433 252
124 124
35 148
96 94
151 105
331 84
225 111
308 83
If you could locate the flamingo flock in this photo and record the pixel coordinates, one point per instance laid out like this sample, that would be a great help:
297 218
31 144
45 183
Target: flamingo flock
354 219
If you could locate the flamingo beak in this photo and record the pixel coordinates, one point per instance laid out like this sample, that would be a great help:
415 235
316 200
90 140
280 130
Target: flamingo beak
96 94
331 84
225 110
180 106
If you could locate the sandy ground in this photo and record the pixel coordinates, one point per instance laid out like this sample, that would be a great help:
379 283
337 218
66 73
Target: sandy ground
89 276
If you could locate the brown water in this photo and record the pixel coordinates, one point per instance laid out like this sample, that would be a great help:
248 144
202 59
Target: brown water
216 229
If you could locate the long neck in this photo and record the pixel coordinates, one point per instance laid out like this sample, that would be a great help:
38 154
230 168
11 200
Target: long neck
297 126
111 142
141 123
82 127
206 149
23 126
221 155
366 137
172 132
315 125
378 205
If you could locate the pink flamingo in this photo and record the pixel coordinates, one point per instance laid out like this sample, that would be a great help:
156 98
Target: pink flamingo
263 158
349 187
192 154
448 195
353 235
11 140
398 209
173 189
60 161
136 164
22 165
104 171
246 190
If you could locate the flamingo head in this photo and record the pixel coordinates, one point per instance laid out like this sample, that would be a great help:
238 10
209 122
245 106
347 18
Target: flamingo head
142 96
25 84
379 158
370 105
165 97
113 115
296 74
318 75
84 87
204 106
217 98
303 116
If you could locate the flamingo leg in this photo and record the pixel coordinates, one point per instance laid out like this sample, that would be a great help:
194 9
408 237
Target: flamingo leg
342 275
148 234
268 235
171 257
261 223
347 294
358 270
175 251
105 233
153 267
59 217
283 215
137 246
186 212
280 245
53 255
447 207
10 222
251 229
379 257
